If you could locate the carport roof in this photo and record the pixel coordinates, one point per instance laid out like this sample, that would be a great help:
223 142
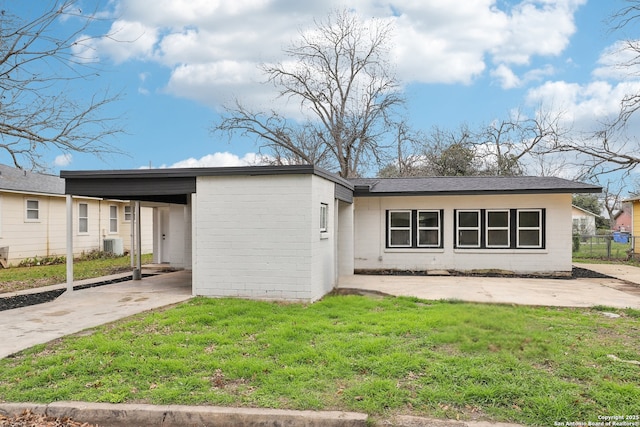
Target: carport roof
467 185
173 185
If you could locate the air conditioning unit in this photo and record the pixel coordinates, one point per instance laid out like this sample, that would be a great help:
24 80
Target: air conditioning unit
114 246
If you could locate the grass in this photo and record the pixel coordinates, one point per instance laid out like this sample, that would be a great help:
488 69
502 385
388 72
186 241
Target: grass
19 278
384 356
597 248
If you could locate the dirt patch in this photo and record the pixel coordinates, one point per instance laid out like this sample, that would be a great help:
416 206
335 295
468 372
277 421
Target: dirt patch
29 419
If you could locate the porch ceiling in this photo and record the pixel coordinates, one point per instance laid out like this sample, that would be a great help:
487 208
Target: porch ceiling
146 189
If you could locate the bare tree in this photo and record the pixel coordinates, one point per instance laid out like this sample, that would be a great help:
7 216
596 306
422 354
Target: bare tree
37 70
613 195
340 77
610 148
508 145
409 157
505 147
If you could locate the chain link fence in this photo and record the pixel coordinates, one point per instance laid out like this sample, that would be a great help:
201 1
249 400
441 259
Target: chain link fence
617 245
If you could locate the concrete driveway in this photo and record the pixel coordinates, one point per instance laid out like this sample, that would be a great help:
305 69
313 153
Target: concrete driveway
73 312
611 292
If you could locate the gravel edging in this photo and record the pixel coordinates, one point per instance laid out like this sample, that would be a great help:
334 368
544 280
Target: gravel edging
33 298
576 273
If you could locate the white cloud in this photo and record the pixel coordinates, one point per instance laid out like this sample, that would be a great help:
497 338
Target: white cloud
213 47
537 27
63 160
584 106
506 77
221 159
509 80
125 40
618 62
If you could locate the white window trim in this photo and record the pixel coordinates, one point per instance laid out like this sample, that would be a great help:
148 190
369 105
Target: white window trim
125 213
80 217
539 228
324 217
459 228
390 228
112 218
27 210
488 228
438 229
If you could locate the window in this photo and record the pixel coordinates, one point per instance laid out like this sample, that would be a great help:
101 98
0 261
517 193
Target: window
429 229
113 219
414 229
324 217
32 210
530 228
128 213
468 227
500 229
83 218
399 229
498 234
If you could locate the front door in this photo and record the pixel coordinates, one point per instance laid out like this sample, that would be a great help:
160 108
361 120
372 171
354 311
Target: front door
163 235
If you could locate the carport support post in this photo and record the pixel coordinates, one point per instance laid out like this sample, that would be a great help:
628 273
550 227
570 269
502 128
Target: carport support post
137 271
69 243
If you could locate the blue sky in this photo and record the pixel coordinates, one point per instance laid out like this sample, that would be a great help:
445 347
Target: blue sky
177 63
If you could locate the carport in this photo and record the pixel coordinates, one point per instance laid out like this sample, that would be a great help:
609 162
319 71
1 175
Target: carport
151 187
260 232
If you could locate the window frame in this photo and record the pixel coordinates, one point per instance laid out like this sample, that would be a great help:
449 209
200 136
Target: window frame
129 214
489 228
438 228
28 209
477 228
391 228
514 229
81 218
414 229
324 217
540 228
113 220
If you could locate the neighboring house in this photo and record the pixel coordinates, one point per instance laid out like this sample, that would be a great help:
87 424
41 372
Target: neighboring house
622 219
584 221
291 232
33 219
635 224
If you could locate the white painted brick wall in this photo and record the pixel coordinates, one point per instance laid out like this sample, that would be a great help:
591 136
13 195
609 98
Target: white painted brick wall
370 251
256 237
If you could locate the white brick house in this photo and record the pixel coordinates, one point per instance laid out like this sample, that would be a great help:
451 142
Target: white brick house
291 232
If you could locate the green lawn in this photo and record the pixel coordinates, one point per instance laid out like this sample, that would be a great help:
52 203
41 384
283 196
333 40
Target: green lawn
18 278
384 356
598 248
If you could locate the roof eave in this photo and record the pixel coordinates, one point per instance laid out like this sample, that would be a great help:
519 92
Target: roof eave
475 192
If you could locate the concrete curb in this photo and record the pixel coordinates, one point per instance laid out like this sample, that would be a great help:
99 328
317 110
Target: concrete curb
119 415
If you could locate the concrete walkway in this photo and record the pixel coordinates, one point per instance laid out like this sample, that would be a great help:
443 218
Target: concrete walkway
73 312
542 292
627 273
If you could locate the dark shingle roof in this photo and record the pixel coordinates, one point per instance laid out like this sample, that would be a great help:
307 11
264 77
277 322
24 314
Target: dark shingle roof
14 179
443 185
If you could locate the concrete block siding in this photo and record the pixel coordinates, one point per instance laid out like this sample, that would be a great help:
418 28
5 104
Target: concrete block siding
370 234
259 237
